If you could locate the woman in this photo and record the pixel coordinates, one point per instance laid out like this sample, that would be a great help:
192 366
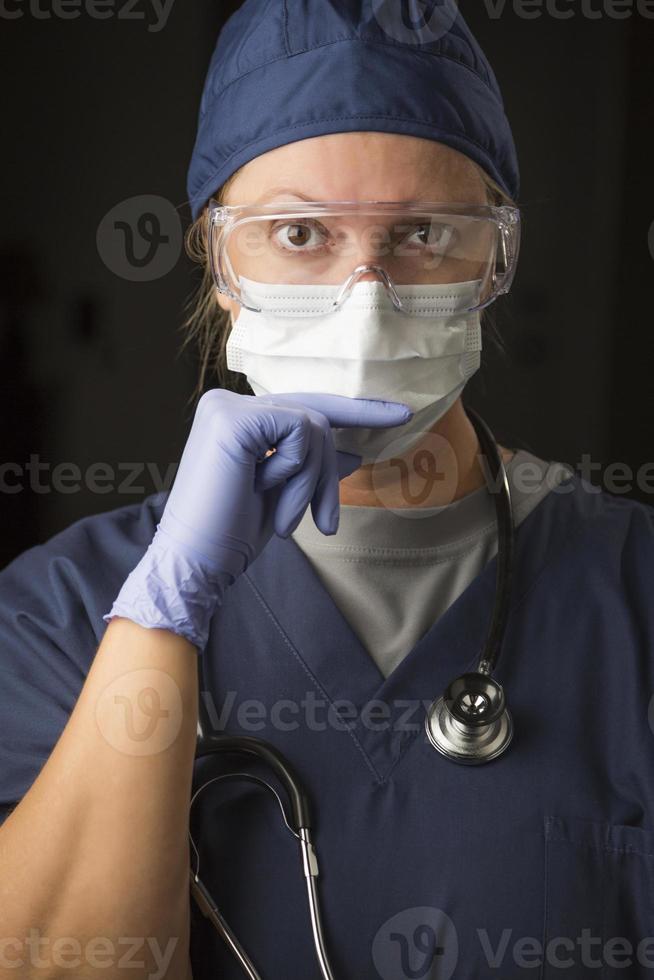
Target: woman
356 327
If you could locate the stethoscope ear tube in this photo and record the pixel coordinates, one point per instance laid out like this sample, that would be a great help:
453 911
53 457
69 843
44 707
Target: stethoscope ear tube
211 911
298 822
300 815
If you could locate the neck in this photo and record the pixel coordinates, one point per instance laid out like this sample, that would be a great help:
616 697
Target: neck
444 466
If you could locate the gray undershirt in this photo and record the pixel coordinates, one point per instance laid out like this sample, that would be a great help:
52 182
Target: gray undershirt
393 573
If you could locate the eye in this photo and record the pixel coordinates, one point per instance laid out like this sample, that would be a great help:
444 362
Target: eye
299 236
436 236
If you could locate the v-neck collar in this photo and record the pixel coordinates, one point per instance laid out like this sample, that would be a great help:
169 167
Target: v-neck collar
342 668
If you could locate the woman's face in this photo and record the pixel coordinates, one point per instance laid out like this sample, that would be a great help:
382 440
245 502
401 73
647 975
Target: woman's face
357 166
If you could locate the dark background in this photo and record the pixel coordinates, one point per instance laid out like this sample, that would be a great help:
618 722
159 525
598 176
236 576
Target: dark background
98 111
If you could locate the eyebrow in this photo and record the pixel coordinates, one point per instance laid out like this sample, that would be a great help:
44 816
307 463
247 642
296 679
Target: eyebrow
274 191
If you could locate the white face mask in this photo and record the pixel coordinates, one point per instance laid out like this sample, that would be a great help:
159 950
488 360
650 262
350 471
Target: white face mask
363 350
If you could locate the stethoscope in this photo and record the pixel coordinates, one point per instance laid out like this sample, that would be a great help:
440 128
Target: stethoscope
470 723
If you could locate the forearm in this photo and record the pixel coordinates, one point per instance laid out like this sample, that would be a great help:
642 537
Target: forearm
98 846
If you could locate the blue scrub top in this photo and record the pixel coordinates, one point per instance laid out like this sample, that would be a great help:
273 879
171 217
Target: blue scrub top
538 864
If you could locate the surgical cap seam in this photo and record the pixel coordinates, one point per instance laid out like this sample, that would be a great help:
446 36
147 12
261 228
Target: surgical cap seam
207 183
445 57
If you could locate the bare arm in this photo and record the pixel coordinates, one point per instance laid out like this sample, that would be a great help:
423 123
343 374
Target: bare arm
98 846
94 859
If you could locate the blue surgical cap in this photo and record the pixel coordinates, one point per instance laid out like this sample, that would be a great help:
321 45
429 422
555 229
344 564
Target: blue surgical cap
287 70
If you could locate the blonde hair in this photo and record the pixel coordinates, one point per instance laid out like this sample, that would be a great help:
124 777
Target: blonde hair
207 324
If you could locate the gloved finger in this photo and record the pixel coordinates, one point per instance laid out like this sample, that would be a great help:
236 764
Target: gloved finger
344 412
299 489
272 470
276 468
325 505
325 498
288 432
347 463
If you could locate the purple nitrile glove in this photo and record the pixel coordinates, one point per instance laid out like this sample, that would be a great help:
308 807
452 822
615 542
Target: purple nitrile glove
229 497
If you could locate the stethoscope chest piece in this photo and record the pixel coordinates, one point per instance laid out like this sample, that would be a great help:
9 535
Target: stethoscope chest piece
470 723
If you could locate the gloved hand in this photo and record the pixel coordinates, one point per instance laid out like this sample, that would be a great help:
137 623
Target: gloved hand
229 497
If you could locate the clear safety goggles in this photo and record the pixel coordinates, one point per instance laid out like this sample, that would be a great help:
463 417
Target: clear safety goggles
327 246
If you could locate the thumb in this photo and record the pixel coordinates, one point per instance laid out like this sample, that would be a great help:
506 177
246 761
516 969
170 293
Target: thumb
347 463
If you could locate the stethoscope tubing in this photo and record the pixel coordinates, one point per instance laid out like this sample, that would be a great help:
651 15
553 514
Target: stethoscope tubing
506 543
